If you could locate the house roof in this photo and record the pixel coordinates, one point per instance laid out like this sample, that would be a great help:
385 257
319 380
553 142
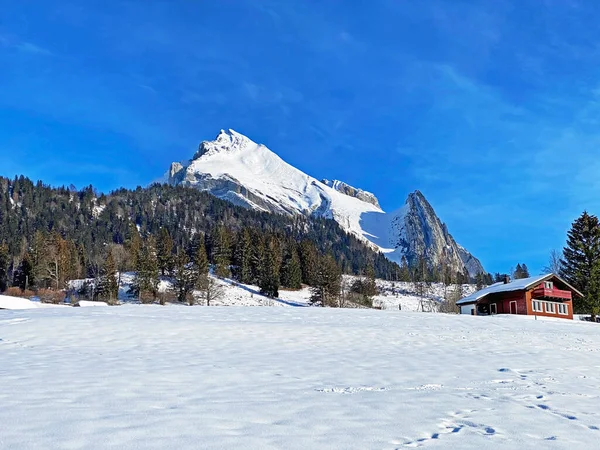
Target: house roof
516 285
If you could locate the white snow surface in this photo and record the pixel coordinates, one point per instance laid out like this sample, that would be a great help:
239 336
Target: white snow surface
7 302
157 377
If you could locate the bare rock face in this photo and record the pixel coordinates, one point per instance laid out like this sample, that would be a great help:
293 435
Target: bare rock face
234 168
344 188
422 234
472 264
176 172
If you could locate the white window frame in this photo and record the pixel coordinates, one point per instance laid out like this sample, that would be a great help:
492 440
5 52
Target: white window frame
493 308
563 309
548 285
550 307
537 306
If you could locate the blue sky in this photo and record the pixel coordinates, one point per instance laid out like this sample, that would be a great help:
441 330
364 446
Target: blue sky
491 109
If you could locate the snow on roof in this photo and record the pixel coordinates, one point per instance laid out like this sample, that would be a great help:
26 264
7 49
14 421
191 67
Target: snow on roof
516 285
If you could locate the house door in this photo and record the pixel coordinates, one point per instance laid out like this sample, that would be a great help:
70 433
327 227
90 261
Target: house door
513 307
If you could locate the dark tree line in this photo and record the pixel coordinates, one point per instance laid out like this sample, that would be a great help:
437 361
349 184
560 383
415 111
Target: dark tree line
51 235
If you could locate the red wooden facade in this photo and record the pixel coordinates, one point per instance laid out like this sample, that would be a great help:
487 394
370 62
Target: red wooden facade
550 297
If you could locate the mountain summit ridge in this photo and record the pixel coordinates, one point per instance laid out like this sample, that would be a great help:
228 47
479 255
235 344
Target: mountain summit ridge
235 168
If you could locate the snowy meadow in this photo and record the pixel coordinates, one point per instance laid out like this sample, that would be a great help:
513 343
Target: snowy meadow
295 378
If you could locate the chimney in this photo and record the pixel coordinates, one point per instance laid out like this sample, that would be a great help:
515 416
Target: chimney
506 279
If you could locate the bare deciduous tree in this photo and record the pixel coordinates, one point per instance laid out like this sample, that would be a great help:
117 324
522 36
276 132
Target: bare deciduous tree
554 263
211 291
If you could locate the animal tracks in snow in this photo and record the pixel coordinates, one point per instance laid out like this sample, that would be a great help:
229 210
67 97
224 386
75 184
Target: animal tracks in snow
350 390
567 416
14 321
456 423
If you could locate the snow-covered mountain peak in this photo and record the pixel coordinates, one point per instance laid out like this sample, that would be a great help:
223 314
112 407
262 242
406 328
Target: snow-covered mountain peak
229 141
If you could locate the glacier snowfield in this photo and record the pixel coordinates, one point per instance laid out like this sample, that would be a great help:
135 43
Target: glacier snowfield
152 377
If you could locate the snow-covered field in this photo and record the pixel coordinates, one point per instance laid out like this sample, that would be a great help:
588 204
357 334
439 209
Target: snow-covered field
295 378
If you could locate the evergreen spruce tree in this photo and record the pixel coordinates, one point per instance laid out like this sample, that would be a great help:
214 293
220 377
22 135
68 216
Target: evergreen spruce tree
201 267
404 270
164 252
108 288
269 280
291 271
4 262
37 260
521 271
146 279
327 284
221 251
370 288
185 277
242 257
257 258
309 260
421 277
133 245
580 261
479 281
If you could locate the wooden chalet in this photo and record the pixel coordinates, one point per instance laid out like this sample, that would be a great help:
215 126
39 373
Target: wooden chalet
545 295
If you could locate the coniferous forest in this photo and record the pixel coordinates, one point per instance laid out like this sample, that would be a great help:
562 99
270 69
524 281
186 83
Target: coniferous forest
49 236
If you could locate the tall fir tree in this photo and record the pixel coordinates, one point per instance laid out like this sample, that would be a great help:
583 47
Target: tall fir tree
404 270
269 280
108 287
480 281
133 244
242 257
185 277
580 261
146 280
327 284
309 260
164 252
220 251
201 266
24 273
291 270
257 257
4 262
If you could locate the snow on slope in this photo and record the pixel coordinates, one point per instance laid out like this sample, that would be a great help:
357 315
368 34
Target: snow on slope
272 378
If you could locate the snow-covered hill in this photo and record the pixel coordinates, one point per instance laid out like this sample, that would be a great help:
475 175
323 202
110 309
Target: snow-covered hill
235 168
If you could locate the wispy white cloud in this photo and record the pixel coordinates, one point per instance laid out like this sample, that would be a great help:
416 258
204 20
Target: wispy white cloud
28 47
15 42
